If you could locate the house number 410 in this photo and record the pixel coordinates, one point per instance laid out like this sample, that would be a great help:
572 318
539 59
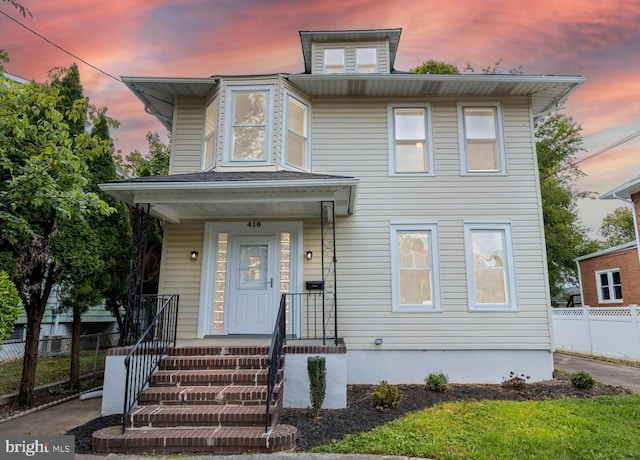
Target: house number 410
254 223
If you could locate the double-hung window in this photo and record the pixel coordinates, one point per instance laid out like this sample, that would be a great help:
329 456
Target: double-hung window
333 60
366 60
609 286
414 262
210 130
490 268
481 138
297 133
248 134
410 144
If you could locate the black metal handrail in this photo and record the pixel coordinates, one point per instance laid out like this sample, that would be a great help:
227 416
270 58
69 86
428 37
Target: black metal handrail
278 340
309 317
144 357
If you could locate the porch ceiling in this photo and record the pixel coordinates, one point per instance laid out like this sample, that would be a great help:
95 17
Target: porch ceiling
278 194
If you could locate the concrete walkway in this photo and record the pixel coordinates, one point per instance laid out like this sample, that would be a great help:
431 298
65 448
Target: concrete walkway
602 371
60 418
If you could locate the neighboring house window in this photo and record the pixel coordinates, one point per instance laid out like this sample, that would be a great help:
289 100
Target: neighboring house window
481 138
366 60
609 286
410 139
248 134
334 60
414 262
490 269
297 134
210 122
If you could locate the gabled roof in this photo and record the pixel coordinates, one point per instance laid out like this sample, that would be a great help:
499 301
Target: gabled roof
624 191
237 194
621 247
308 37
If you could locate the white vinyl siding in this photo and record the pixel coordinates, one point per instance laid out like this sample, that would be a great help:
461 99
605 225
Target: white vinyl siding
609 286
481 138
410 144
350 56
186 139
414 267
491 279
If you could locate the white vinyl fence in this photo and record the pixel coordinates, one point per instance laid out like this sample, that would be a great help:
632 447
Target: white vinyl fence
600 331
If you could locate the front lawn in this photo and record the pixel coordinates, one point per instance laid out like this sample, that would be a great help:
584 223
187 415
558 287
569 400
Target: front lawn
603 427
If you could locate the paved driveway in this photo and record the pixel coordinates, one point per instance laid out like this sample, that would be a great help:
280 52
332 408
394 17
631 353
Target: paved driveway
609 373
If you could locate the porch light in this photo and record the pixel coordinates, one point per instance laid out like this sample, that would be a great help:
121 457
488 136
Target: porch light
194 255
309 255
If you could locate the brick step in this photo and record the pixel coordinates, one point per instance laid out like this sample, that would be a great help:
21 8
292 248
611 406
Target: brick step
218 350
209 377
198 416
214 362
249 395
212 440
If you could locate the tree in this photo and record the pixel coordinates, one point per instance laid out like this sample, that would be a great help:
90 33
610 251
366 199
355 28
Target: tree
558 141
436 67
42 168
4 56
618 227
10 306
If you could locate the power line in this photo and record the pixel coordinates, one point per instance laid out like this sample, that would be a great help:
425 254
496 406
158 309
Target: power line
60 48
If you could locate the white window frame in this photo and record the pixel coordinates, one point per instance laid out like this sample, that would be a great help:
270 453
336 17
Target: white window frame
285 131
397 227
325 66
391 124
500 145
230 110
609 272
375 61
509 269
212 136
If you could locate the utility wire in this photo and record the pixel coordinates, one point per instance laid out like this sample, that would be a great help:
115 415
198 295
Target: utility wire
60 48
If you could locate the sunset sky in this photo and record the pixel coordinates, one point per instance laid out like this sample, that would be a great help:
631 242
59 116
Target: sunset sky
197 38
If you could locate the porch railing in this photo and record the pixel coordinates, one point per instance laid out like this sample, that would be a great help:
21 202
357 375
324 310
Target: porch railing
144 357
278 340
312 315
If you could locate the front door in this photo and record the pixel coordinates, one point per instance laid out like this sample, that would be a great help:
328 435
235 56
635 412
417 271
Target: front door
253 284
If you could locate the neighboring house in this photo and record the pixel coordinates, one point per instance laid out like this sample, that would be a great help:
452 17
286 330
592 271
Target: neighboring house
609 278
398 215
414 198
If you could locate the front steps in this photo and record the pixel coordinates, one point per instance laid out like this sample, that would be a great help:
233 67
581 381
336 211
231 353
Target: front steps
204 399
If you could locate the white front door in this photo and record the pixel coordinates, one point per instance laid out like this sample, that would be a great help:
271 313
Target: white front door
253 284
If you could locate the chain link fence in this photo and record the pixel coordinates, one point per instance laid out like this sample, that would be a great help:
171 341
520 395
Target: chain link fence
54 359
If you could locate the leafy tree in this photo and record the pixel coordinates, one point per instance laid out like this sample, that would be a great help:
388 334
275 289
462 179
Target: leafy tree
618 227
4 56
558 141
42 179
436 67
10 306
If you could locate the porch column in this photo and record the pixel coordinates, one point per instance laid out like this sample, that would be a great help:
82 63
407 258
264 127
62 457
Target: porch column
329 277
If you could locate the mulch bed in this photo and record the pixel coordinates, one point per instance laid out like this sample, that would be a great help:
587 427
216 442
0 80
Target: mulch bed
359 416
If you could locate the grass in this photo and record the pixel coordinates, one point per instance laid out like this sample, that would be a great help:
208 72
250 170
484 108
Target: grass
50 369
603 427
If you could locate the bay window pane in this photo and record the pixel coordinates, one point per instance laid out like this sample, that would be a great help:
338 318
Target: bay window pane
248 143
297 151
250 108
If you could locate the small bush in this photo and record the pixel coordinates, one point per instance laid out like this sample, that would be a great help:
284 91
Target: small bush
582 380
438 382
385 396
515 382
317 369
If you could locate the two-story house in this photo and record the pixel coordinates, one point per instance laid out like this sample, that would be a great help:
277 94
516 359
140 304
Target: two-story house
397 213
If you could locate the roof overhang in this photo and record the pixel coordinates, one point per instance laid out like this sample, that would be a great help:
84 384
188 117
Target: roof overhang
307 38
546 92
624 191
621 247
173 200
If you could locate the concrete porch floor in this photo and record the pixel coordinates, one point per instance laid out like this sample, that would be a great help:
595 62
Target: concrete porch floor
246 341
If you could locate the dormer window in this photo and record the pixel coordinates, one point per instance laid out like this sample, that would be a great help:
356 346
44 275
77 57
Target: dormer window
366 60
333 60
248 139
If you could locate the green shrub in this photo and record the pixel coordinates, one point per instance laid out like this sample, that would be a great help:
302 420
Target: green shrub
10 306
385 396
515 382
317 369
582 380
438 382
